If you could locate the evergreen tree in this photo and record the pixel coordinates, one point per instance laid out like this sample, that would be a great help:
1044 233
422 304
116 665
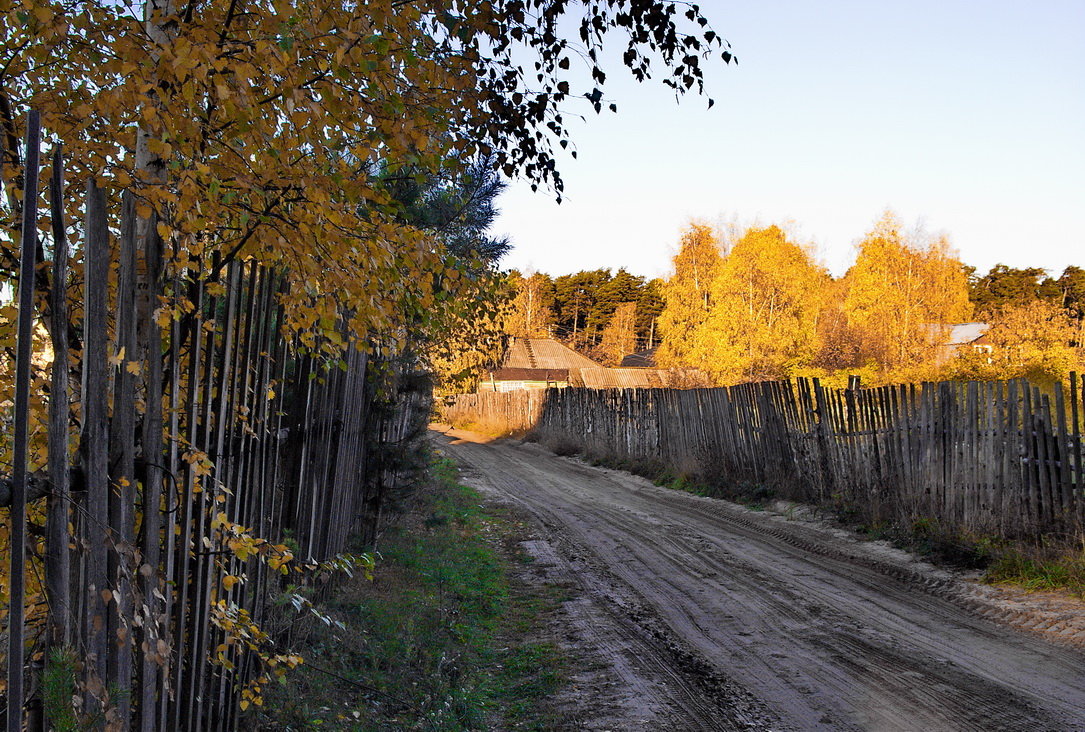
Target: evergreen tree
649 307
575 298
1004 286
621 288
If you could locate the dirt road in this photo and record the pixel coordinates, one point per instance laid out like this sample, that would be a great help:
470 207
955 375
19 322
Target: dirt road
718 617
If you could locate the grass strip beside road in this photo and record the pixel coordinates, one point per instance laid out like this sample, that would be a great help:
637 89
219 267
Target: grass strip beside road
447 636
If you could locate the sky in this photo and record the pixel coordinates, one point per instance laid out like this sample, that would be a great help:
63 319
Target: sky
965 118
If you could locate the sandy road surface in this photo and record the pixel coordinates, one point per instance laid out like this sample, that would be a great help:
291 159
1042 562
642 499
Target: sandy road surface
755 622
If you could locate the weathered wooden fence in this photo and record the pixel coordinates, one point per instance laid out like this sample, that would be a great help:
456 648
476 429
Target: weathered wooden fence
199 462
498 413
997 457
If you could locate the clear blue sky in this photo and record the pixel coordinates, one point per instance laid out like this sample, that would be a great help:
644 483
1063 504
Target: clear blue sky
967 118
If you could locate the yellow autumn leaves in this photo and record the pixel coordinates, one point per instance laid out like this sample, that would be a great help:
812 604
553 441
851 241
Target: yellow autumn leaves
267 132
765 309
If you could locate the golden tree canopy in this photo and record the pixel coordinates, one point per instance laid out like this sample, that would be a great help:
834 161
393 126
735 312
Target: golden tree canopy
766 300
687 294
272 129
899 292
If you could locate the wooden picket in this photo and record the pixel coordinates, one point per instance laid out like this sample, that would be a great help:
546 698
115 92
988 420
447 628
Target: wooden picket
212 430
1001 458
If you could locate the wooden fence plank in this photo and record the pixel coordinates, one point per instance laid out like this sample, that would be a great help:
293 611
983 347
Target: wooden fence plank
17 509
58 567
94 442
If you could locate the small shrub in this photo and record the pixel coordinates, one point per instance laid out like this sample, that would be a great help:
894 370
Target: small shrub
562 447
1040 568
58 688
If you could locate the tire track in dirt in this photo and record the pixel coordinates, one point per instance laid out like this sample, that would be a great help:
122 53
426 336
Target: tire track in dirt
666 685
827 636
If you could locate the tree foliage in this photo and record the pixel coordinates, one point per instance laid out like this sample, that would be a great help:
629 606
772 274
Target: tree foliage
1034 339
766 310
531 310
277 130
688 295
899 293
619 335
765 303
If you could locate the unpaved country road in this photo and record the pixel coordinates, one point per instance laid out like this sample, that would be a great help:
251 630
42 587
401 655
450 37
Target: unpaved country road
755 622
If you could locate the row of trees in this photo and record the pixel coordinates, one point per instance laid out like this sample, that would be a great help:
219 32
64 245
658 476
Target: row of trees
1006 286
762 308
605 315
757 305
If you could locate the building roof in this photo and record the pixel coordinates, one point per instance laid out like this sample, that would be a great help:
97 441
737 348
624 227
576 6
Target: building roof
965 333
645 359
544 353
517 374
624 378
959 334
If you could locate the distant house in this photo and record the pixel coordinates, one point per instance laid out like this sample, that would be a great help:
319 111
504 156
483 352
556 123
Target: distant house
541 363
513 379
537 363
953 338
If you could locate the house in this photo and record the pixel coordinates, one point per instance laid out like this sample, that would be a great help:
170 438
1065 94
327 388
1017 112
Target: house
954 338
537 363
542 363
515 378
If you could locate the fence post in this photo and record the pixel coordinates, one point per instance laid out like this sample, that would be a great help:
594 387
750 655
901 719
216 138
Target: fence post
58 556
17 589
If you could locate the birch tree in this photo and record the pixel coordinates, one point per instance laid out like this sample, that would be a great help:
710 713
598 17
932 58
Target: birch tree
766 300
531 310
619 336
687 295
900 295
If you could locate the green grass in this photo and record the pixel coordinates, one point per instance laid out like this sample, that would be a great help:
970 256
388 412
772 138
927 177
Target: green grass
444 637
1040 568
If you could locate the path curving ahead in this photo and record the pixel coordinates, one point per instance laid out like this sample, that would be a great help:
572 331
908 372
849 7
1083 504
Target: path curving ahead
777 624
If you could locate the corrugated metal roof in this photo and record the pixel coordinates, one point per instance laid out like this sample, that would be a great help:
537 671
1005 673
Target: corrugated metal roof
640 359
544 353
604 378
958 334
961 333
517 374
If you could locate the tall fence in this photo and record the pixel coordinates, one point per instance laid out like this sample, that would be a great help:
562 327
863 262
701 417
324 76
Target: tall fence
994 457
199 464
499 413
